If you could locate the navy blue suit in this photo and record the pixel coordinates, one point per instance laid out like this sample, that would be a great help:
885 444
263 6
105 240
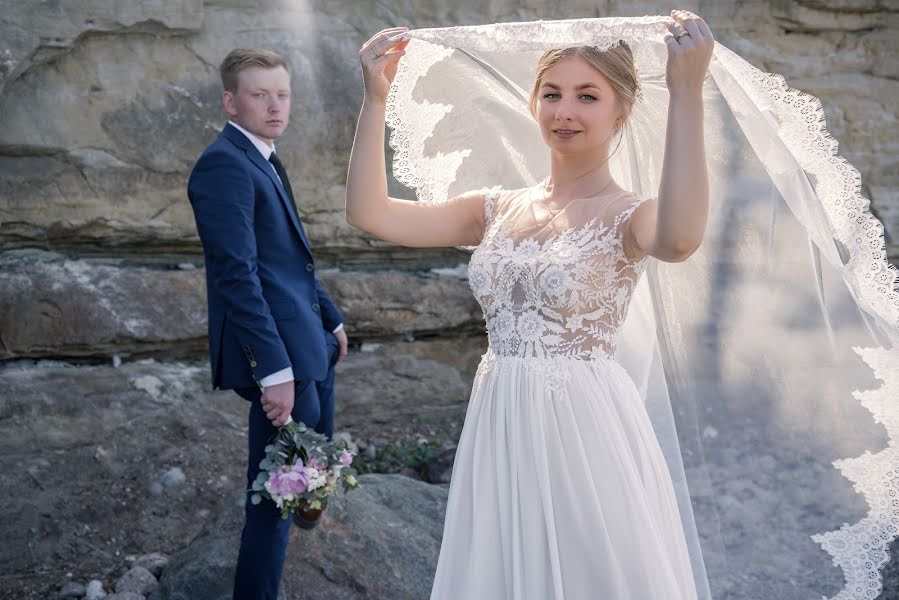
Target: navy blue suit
267 312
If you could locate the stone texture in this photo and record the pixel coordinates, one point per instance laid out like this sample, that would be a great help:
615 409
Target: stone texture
424 382
54 306
440 470
104 109
94 590
72 589
829 15
396 303
68 432
35 34
136 580
886 203
397 519
173 478
126 596
154 563
891 576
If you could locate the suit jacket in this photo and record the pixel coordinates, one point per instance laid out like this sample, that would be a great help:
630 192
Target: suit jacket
267 310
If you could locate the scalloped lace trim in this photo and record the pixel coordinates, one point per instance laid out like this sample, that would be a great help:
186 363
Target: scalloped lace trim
407 118
861 549
801 124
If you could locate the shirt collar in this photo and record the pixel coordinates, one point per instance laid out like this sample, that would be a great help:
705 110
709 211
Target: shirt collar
264 149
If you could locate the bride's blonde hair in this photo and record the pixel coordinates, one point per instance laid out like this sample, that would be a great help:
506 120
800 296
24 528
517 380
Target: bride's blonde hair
616 64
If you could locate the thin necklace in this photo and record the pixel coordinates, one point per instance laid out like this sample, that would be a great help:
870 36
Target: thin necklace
557 211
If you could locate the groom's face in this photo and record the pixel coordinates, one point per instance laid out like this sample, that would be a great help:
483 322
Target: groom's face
261 103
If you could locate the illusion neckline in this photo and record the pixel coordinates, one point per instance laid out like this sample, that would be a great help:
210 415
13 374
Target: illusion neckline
540 196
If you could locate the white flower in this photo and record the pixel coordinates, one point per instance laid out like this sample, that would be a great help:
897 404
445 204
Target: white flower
529 248
530 326
622 295
502 325
553 280
478 280
316 479
276 498
566 253
575 322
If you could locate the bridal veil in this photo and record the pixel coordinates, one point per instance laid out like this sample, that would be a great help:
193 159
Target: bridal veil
768 361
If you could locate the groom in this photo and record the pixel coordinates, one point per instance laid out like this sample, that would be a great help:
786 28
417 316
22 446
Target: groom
274 335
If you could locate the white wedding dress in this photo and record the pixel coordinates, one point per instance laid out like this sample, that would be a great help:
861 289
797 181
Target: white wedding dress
768 362
560 489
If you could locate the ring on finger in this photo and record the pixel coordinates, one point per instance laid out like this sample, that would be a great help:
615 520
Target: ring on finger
681 33
374 55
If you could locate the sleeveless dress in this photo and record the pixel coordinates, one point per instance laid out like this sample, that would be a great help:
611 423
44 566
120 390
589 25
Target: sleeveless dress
560 490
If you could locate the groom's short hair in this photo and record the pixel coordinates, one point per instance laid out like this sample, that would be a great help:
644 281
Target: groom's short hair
245 58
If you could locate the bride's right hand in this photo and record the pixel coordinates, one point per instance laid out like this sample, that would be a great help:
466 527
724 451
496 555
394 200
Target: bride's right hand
379 57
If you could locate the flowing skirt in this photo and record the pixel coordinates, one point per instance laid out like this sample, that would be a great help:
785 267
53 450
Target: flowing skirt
560 490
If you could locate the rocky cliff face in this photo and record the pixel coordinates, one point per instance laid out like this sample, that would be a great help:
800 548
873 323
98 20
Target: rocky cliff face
104 107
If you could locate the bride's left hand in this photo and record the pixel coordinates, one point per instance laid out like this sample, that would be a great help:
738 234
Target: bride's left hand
690 45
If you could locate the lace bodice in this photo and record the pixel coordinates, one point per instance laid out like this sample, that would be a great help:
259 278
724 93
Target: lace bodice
554 284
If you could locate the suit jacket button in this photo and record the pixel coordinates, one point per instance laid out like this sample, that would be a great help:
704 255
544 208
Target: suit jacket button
253 363
316 307
309 267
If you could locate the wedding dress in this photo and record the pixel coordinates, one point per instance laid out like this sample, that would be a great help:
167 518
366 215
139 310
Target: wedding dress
560 489
767 363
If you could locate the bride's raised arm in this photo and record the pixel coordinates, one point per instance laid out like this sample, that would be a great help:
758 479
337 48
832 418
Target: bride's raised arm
672 229
457 222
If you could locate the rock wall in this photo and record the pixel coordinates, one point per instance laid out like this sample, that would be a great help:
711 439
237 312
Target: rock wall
105 106
103 110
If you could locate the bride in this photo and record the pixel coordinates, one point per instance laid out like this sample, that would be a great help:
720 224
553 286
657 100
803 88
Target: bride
560 488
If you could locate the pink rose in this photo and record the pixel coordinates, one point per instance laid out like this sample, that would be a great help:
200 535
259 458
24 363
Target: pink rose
289 481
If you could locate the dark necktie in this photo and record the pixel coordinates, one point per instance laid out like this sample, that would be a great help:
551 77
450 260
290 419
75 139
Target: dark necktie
279 169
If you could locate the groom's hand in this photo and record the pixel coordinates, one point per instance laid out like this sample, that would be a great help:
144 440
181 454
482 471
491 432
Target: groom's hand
342 344
277 402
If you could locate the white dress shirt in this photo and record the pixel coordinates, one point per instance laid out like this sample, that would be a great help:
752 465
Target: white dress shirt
266 150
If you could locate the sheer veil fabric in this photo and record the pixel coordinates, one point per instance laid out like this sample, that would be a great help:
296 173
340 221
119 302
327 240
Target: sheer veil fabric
767 361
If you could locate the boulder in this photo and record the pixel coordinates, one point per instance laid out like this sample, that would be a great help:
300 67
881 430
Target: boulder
423 384
391 517
54 306
136 580
401 304
154 562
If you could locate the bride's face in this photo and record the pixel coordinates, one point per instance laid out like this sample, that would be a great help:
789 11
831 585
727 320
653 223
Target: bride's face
577 108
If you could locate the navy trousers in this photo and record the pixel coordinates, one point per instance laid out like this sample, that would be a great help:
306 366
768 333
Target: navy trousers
263 543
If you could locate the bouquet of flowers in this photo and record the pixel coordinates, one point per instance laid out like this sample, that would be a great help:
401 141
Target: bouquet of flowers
301 470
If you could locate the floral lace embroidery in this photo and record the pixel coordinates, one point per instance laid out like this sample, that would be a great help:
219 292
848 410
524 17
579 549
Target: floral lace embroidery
564 297
861 548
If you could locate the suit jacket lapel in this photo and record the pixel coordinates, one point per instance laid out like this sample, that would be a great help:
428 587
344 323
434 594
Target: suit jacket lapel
241 141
